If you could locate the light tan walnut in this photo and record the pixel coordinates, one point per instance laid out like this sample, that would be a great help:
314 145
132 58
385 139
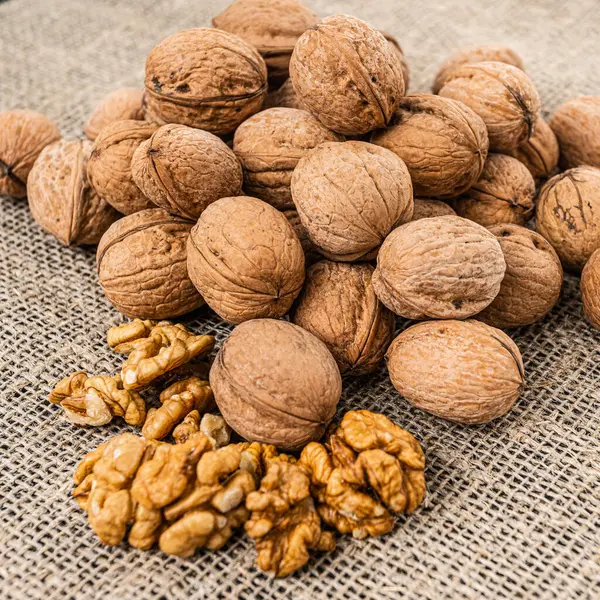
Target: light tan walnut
121 105
425 208
590 289
123 338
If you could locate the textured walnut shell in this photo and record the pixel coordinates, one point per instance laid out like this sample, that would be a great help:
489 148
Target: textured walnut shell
284 97
504 193
276 383
568 215
443 143
590 289
109 167
502 95
398 50
183 170
245 259
204 78
425 208
23 135
439 268
347 74
532 282
350 196
269 146
60 198
311 254
121 105
463 371
576 124
142 267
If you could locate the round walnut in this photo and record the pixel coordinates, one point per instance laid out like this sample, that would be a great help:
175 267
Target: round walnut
204 78
23 135
347 74
183 170
590 289
425 208
121 105
398 50
443 143
463 371
61 199
505 193
142 269
311 254
284 97
349 196
245 259
502 95
439 268
339 306
109 168
276 383
269 146
533 279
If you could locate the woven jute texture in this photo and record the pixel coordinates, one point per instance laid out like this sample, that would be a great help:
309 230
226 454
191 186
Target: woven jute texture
513 508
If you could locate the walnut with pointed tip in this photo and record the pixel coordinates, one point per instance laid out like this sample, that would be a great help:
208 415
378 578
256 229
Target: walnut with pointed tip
121 105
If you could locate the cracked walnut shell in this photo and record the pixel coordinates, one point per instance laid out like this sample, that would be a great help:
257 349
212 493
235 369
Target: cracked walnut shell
590 289
121 105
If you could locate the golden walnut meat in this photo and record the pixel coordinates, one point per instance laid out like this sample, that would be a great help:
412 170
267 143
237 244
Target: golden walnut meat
183 170
121 105
439 268
204 78
426 208
347 74
463 371
443 143
276 383
590 289
245 259
61 199
350 196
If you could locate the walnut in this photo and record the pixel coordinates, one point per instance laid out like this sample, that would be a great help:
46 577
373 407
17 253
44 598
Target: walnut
463 371
502 95
125 337
61 199
439 268
590 289
443 143
284 97
204 78
275 383
398 50
23 135
245 259
311 254
187 428
426 208
349 196
338 305
347 74
121 105
183 170
142 267
269 146
504 193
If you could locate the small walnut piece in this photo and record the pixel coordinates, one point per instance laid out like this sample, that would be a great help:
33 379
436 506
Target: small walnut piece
426 208
311 254
463 371
124 338
398 50
590 289
121 105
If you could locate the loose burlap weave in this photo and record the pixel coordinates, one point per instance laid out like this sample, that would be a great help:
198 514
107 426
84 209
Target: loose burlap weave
513 508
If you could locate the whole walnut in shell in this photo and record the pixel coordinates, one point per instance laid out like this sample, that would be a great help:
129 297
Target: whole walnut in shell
463 371
276 383
204 78
443 143
23 135
142 267
502 95
339 306
121 105
245 259
590 289
347 74
398 50
439 268
425 208
311 254
350 196
61 199
284 97
183 170
269 146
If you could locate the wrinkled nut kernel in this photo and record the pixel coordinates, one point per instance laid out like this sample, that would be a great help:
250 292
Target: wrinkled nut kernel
463 371
121 105
349 196
425 208
142 267
502 95
439 268
311 254
284 97
204 78
246 260
504 193
125 337
590 289
23 135
276 383
347 74
443 143
338 305
61 199
398 50
269 146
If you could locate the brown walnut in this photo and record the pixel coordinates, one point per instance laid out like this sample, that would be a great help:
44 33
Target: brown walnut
398 50
426 208
121 105
590 289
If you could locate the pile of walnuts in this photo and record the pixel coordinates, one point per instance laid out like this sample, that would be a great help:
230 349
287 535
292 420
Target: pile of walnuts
275 169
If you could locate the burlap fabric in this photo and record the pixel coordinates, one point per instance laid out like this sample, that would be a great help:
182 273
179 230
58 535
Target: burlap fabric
513 507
